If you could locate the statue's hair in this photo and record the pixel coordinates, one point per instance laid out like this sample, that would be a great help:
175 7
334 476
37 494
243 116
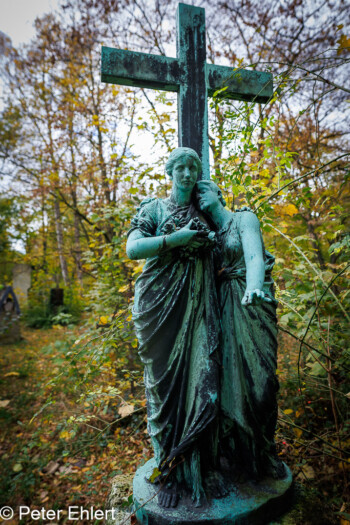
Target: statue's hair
214 187
176 155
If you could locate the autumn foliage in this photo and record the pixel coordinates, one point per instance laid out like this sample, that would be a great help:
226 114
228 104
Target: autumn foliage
78 156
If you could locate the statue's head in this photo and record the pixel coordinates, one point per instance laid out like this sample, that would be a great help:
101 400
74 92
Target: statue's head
208 195
180 154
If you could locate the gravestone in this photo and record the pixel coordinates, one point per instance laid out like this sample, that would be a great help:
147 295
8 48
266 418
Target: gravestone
9 317
249 501
56 298
22 274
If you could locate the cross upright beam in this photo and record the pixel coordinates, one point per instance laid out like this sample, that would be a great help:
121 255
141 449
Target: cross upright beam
189 75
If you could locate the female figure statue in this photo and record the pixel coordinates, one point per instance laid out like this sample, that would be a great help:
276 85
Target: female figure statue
249 345
175 316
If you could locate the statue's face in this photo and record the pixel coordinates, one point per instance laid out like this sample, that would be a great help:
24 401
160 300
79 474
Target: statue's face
207 196
185 173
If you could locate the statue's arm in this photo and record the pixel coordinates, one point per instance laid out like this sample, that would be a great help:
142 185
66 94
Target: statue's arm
254 259
140 247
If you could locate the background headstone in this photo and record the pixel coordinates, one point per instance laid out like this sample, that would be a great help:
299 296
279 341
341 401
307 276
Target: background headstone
9 317
56 298
22 275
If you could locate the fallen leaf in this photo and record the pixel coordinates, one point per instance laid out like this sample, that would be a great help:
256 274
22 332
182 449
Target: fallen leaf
43 494
91 461
17 468
306 472
65 434
51 467
9 374
4 403
298 432
154 475
125 410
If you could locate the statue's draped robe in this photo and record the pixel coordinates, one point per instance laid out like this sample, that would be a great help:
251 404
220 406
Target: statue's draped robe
249 353
176 320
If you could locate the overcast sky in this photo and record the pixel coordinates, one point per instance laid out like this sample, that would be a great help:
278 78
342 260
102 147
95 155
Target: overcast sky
17 17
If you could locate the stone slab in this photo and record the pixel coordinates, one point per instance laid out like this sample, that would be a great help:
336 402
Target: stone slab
22 275
118 499
250 504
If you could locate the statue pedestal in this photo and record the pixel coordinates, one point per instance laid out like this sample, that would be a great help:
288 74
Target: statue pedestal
250 504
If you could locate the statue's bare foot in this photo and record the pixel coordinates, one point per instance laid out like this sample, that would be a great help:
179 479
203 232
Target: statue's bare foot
215 484
168 495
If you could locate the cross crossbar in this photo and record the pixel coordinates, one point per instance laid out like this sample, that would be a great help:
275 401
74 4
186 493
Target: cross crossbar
189 75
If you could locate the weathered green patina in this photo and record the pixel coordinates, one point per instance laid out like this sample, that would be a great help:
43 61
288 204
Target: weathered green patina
177 325
205 318
190 76
254 503
249 339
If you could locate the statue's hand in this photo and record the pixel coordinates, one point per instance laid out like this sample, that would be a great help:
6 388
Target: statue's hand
187 237
254 297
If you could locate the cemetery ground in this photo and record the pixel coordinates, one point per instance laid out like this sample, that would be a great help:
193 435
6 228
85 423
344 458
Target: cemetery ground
60 448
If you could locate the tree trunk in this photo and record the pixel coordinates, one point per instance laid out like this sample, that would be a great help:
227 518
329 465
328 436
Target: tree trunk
77 250
59 237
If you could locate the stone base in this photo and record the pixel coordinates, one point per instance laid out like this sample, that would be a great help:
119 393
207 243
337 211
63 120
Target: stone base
250 504
118 500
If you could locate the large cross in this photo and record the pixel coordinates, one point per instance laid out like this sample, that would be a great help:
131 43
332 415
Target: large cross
189 75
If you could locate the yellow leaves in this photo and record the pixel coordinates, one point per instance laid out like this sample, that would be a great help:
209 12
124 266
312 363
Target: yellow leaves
298 432
288 411
99 123
66 435
12 374
154 475
290 210
138 269
103 319
264 173
344 44
286 210
123 288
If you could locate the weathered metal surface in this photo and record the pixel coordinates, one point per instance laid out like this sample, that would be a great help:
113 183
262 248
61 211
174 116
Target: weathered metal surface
253 504
208 341
192 97
190 76
242 84
129 68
